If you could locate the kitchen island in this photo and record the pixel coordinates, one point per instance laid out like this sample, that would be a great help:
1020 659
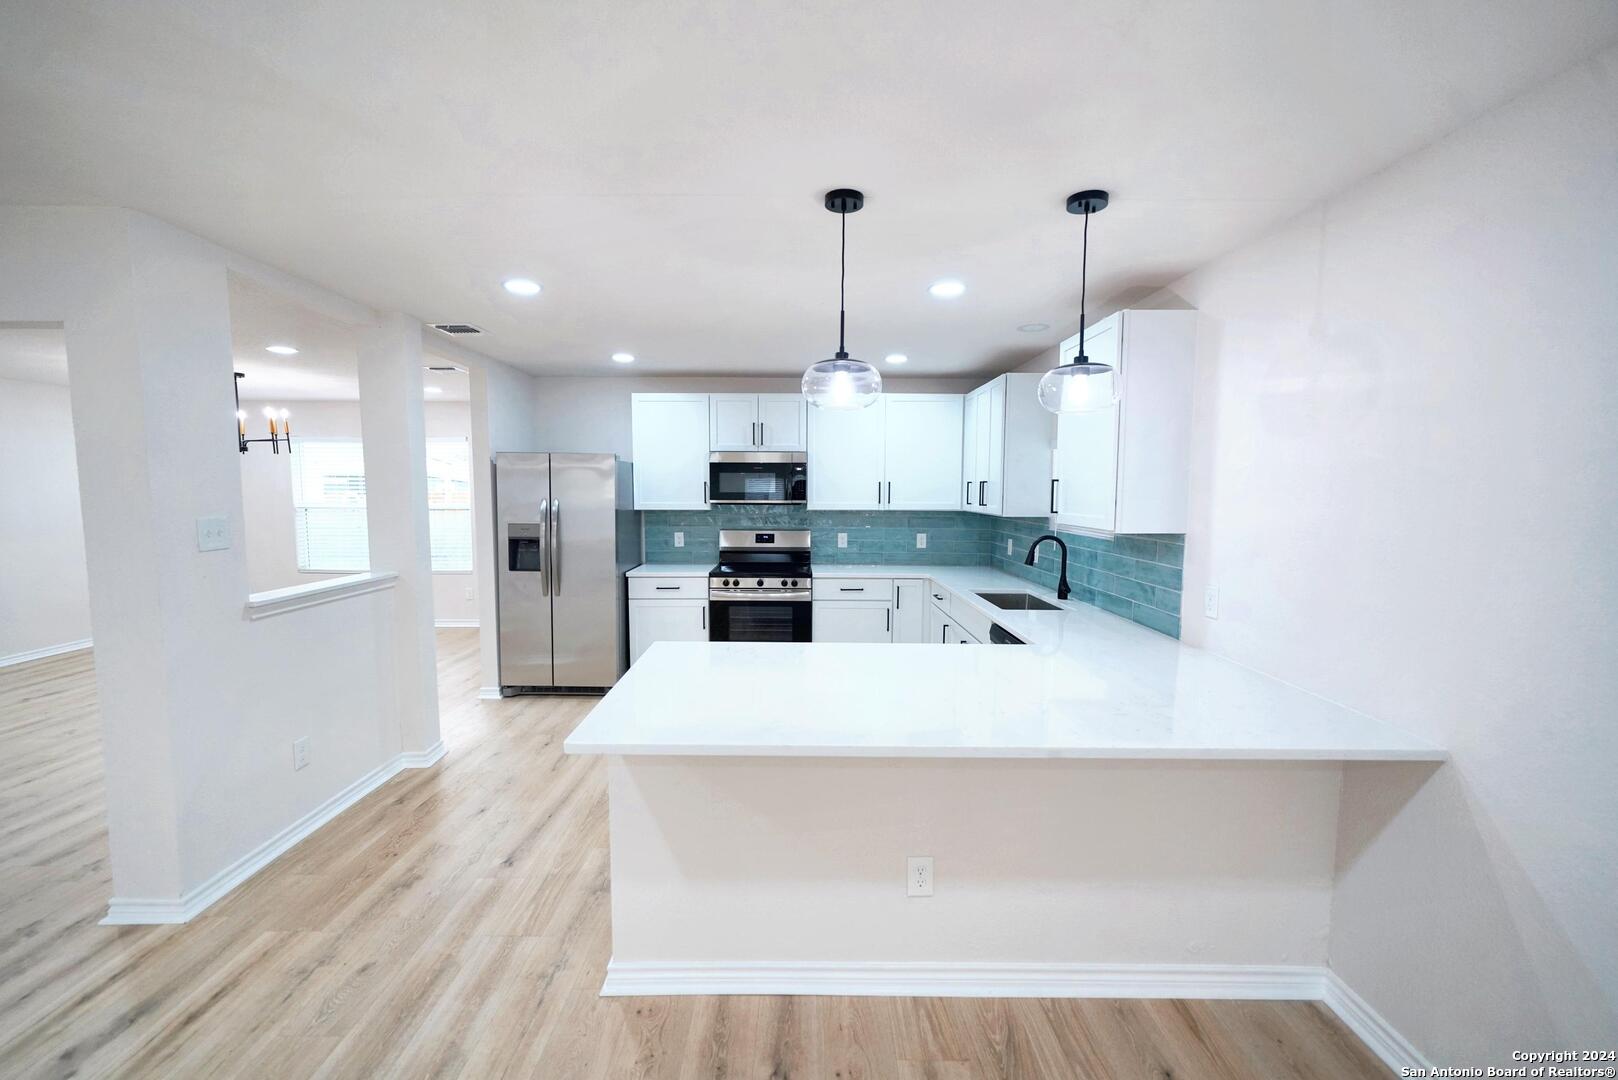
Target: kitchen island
1107 811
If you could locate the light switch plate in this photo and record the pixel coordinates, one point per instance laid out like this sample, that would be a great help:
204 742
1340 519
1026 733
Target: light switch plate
1210 601
842 539
1009 551
213 533
300 753
679 539
921 540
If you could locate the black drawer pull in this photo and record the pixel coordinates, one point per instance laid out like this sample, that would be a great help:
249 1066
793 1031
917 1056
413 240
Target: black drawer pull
667 588
847 588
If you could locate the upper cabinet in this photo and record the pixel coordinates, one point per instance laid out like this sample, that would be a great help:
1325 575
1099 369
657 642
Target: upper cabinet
1006 442
902 452
669 435
756 422
1125 469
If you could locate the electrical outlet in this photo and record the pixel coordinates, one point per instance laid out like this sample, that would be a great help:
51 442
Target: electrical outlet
679 539
469 593
213 533
842 539
1210 601
921 540
919 875
300 753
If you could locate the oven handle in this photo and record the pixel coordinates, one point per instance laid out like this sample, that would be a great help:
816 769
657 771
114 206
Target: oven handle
755 595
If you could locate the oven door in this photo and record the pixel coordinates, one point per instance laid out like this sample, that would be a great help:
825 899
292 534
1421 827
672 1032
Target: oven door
763 619
758 478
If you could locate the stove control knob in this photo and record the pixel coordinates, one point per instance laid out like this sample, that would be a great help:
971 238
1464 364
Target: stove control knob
783 583
794 583
732 582
761 583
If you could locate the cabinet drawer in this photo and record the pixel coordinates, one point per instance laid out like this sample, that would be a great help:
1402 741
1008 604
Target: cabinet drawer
668 588
844 588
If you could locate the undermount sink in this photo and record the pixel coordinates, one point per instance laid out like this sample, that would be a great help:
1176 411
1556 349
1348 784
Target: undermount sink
1017 601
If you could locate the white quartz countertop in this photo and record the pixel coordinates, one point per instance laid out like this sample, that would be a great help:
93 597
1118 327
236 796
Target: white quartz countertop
1087 685
671 569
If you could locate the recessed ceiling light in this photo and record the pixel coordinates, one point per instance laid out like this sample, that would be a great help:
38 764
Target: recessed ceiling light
281 350
1034 327
521 286
948 289
896 358
433 389
623 358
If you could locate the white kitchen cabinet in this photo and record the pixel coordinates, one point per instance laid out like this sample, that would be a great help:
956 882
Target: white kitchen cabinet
900 453
1006 442
845 458
910 606
756 422
853 620
669 440
651 621
938 624
921 463
1125 469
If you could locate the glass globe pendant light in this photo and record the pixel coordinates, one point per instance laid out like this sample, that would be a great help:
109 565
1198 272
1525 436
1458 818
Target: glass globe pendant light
842 382
1081 386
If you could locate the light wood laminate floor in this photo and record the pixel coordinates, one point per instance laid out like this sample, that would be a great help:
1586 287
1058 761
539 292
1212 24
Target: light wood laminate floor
455 924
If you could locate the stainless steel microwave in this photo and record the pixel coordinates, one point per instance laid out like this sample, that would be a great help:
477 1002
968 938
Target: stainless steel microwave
758 476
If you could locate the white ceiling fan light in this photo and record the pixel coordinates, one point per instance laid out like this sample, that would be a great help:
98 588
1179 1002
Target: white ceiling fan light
1081 386
842 382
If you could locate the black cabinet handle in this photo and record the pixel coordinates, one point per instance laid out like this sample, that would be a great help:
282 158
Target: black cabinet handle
1054 480
667 588
889 613
705 616
937 597
879 493
981 485
968 496
943 634
850 588
890 492
705 491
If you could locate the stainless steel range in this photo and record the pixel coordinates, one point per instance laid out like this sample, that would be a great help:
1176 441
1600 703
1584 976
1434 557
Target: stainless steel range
760 591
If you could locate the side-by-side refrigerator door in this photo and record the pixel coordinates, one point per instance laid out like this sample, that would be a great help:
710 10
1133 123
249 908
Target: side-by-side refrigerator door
522 492
584 569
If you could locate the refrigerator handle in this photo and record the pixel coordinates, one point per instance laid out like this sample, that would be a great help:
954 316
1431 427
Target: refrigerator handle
556 546
544 547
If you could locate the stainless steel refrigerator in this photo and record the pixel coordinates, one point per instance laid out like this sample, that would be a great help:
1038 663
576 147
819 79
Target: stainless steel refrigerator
566 531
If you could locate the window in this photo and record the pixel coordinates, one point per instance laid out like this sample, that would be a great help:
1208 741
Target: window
328 500
328 505
449 504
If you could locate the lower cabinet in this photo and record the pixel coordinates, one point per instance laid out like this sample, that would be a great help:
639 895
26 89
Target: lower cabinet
853 620
910 605
651 621
944 629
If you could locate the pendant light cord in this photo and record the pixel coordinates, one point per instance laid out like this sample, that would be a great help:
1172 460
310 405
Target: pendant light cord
842 289
1084 284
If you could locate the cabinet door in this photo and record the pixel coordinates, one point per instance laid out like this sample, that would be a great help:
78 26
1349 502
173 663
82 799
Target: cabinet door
1087 443
992 449
845 458
853 620
733 421
669 436
969 450
939 625
651 621
923 468
782 424
910 606
983 432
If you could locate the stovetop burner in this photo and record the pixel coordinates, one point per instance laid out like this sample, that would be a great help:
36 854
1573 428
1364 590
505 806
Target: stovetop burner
761 562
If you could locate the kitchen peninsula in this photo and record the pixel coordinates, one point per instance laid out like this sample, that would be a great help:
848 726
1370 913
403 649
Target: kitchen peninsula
1105 810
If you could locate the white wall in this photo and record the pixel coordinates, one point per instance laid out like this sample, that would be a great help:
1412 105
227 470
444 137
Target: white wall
44 595
199 705
586 414
1407 492
272 554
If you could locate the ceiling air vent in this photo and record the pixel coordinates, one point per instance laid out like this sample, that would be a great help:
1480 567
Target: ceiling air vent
446 369
456 329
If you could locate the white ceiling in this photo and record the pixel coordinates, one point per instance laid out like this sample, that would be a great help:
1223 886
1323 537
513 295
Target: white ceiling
325 368
659 166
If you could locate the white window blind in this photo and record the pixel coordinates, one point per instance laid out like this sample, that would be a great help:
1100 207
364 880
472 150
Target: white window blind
328 498
449 504
328 505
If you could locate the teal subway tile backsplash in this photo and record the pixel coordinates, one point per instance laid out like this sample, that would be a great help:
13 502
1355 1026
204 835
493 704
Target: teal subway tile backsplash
1138 577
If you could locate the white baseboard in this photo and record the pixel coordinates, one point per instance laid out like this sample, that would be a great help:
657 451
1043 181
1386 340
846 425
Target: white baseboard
443 624
488 693
1243 982
128 911
40 654
1396 1051
909 979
